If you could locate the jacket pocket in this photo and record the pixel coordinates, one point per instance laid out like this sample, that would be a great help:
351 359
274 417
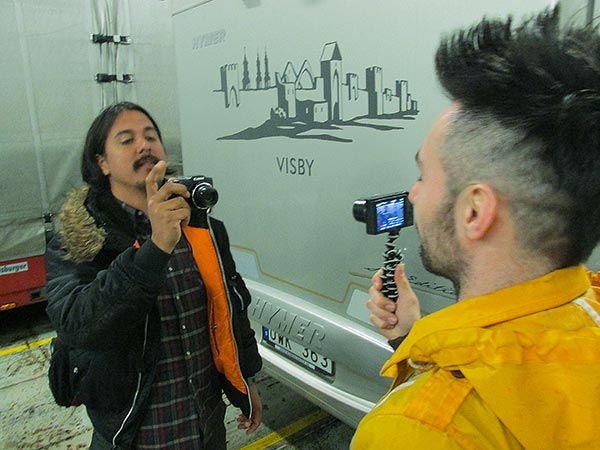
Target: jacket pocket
108 379
63 376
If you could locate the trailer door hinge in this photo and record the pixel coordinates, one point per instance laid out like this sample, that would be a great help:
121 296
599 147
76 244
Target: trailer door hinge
114 39
109 78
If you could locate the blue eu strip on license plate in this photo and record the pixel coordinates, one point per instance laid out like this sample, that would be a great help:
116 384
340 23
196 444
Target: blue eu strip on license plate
297 352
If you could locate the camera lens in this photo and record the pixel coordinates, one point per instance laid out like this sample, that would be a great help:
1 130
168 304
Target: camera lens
359 210
204 196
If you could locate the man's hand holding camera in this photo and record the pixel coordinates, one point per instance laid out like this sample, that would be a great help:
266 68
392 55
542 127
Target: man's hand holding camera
168 209
389 213
394 319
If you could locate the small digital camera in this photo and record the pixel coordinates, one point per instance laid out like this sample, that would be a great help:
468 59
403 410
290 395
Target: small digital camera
203 195
384 213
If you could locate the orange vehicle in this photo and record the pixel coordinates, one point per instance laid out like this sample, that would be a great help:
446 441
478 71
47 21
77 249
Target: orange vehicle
23 282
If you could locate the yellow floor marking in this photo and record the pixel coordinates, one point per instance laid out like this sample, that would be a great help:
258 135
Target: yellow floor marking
20 348
280 435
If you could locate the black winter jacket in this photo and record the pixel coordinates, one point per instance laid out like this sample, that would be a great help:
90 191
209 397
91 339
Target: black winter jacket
101 300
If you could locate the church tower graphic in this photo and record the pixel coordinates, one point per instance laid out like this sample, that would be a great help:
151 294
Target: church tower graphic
259 79
331 70
246 78
267 79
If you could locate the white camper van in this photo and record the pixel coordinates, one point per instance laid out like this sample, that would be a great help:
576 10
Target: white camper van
297 109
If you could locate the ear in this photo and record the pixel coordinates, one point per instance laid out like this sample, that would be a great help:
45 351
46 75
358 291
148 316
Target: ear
478 209
103 164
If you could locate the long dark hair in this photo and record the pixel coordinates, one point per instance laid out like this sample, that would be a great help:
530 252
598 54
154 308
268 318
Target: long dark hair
96 139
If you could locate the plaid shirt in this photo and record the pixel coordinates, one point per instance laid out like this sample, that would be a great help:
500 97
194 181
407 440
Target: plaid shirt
186 388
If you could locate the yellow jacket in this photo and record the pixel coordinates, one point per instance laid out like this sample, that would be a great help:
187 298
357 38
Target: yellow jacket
515 369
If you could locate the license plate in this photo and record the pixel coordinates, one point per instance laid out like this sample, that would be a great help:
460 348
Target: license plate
297 352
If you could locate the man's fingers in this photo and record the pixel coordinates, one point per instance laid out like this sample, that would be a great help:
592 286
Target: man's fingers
252 428
382 323
167 208
177 211
381 301
376 280
246 424
381 316
175 202
154 177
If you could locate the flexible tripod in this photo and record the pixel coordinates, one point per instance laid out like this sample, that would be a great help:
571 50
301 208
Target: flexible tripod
391 258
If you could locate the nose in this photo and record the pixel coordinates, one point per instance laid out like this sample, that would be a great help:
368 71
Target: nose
142 145
412 194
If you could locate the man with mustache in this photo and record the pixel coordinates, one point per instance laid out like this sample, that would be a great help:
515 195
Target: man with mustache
149 310
507 208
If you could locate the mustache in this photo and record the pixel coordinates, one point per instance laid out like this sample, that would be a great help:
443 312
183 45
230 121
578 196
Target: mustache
143 160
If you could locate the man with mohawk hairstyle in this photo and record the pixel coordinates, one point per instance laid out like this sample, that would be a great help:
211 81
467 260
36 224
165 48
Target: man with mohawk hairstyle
507 209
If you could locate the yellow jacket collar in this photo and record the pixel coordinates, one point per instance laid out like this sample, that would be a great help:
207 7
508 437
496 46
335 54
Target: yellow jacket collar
549 291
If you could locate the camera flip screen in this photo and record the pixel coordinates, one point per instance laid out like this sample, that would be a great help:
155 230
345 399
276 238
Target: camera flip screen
384 213
390 214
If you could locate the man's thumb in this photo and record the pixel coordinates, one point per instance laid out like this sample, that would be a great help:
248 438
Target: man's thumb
400 278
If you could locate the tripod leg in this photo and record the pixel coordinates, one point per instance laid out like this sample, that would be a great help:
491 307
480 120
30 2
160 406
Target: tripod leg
391 258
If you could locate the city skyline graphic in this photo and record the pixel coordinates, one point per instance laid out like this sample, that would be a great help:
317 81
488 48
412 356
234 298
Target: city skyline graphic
304 104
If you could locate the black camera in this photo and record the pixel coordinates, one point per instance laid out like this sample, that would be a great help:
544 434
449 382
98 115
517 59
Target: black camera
384 213
202 193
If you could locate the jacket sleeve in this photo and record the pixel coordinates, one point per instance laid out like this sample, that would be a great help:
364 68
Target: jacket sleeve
95 308
250 359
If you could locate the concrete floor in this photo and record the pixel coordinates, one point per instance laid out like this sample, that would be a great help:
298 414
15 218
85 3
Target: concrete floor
30 420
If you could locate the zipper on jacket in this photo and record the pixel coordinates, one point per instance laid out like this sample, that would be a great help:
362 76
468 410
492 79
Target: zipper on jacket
212 236
235 289
137 389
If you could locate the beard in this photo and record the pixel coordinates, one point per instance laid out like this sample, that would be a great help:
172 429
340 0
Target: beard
140 186
440 252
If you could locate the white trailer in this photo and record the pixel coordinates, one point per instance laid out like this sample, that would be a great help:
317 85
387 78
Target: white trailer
62 62
296 109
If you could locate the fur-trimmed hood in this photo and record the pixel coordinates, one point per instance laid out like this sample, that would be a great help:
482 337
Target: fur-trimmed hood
81 237
94 224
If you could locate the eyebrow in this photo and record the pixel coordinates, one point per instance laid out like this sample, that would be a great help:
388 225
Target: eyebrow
418 158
